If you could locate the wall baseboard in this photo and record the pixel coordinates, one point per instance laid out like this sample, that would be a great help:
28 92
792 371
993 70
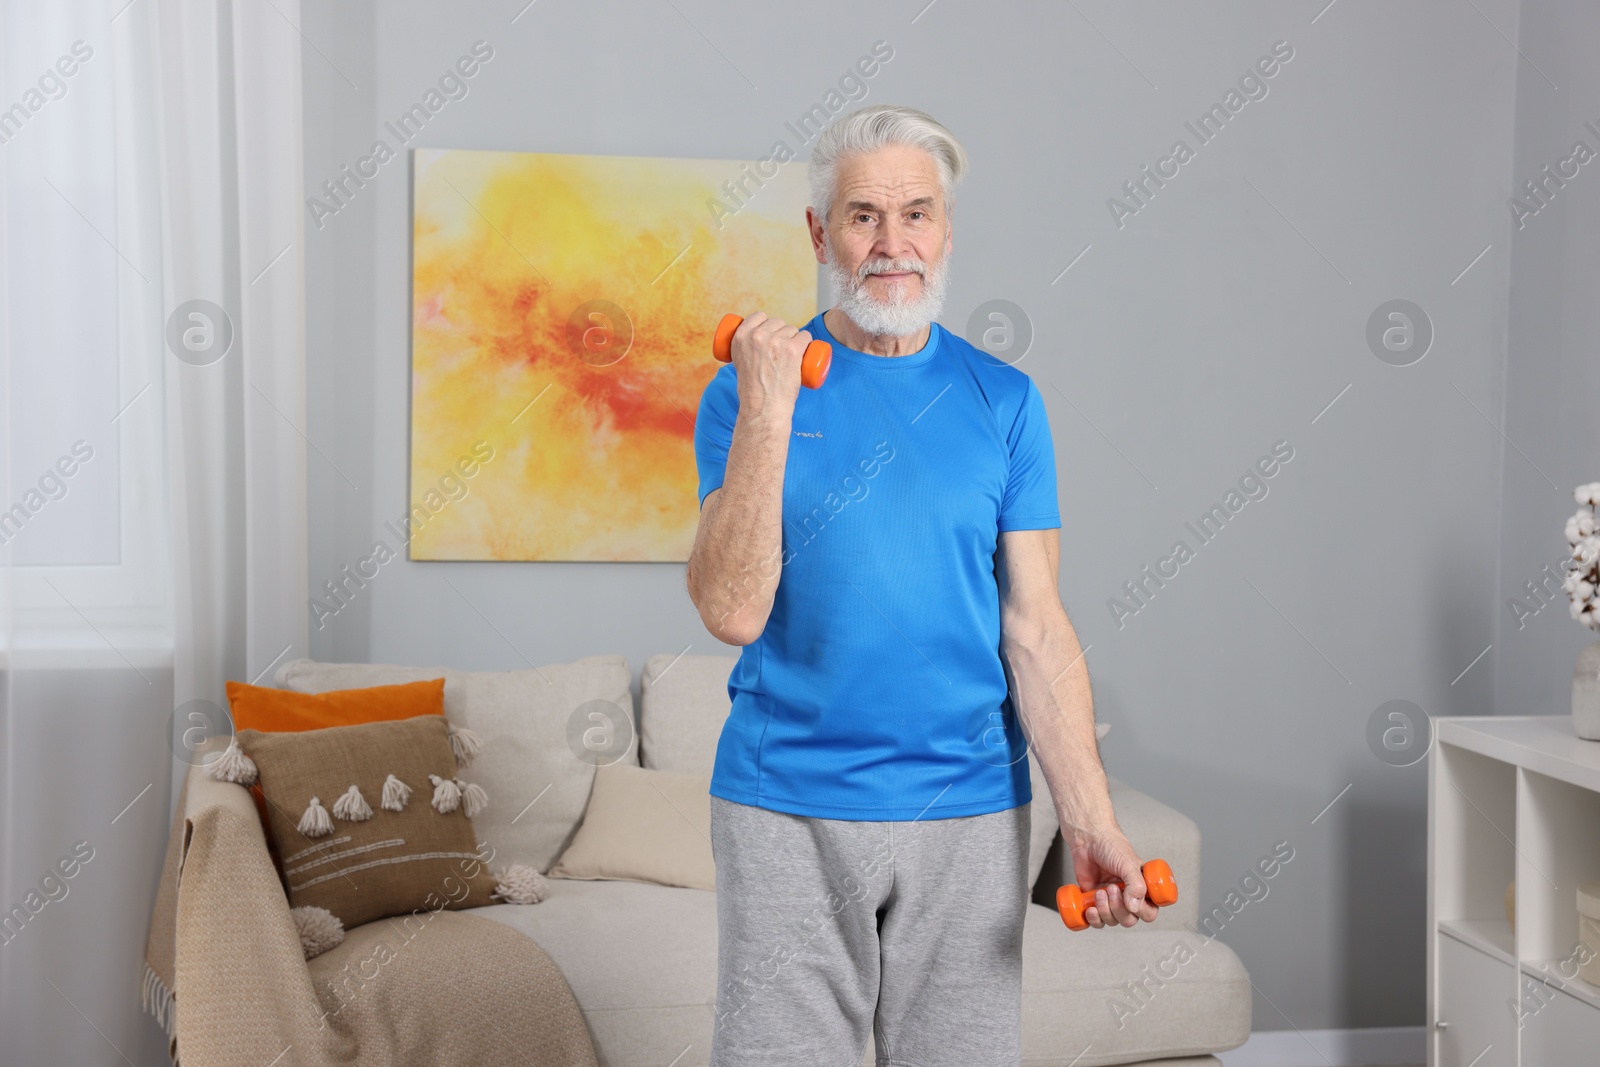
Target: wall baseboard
1340 1048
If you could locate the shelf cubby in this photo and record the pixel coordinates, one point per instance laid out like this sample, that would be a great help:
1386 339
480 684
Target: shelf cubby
1558 841
1475 820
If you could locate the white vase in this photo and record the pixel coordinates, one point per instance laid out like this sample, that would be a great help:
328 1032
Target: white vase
1586 693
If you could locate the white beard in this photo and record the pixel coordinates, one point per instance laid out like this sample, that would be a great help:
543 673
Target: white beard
901 318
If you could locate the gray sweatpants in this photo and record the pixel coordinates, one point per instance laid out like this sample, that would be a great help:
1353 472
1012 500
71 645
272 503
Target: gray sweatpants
831 930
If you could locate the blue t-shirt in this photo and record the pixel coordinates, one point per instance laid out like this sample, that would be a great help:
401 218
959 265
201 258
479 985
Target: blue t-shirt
876 690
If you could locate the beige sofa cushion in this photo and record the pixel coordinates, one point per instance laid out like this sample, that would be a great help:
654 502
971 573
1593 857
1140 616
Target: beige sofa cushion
683 701
644 826
525 718
642 961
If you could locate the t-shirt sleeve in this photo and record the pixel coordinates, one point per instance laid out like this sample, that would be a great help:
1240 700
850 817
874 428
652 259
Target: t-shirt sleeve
1030 498
713 428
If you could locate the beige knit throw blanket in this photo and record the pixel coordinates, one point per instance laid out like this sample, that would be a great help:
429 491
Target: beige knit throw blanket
226 975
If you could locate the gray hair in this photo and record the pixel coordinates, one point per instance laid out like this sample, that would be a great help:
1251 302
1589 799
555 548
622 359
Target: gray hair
880 126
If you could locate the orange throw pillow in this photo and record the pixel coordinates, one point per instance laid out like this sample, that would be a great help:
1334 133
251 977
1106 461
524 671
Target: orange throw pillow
257 707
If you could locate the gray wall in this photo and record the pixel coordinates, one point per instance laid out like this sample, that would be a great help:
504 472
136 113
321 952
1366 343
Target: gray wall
1552 371
1223 317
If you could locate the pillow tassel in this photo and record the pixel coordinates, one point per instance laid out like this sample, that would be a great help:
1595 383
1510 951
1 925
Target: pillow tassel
521 884
446 794
232 766
464 744
319 928
315 822
395 794
473 798
352 806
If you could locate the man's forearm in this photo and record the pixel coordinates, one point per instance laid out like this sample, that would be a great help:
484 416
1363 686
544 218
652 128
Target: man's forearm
736 562
1051 693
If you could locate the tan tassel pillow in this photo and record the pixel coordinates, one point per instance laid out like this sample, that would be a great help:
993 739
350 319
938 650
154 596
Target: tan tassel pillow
372 820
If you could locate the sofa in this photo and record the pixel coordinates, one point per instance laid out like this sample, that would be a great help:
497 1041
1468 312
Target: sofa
639 958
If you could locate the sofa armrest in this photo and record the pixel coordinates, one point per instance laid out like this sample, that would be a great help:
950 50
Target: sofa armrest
438 986
243 990
1155 830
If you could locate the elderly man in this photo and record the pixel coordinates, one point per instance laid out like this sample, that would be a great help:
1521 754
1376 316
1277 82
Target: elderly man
886 549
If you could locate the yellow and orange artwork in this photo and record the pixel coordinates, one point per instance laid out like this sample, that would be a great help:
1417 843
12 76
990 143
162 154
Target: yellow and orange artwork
562 314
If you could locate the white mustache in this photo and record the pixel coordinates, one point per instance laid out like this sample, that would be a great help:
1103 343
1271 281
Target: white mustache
884 266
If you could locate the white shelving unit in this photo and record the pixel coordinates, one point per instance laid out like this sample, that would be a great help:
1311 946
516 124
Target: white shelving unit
1510 797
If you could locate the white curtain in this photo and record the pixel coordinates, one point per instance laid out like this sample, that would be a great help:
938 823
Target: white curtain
152 205
232 209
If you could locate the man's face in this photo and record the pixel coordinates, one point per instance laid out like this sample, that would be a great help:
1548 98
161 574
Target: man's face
886 239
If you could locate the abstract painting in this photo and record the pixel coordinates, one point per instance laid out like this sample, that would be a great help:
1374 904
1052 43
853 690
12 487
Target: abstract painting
562 313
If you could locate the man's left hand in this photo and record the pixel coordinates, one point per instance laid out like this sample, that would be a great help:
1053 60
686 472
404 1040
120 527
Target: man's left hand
1104 856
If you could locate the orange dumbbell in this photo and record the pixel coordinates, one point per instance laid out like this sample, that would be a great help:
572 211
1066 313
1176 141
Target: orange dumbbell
1161 889
813 365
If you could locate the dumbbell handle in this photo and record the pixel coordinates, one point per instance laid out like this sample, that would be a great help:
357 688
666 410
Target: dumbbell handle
813 365
1160 889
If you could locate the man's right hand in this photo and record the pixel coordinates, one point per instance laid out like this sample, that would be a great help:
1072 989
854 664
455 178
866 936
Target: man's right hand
766 355
738 545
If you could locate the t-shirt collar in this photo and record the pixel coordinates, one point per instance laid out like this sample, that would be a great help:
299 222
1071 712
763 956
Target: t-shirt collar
819 329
